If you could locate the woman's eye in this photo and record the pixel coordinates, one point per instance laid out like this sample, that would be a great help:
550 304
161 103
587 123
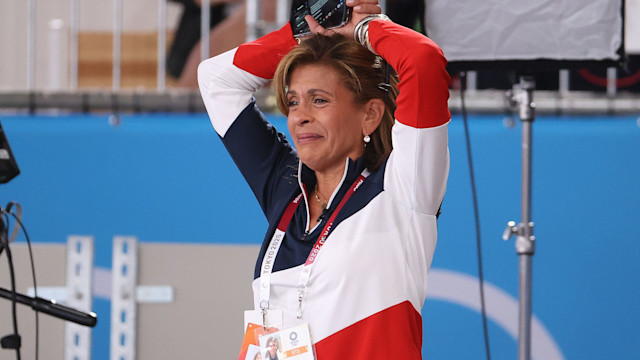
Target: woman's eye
291 103
319 101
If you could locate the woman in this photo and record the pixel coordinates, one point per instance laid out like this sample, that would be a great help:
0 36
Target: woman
352 223
272 349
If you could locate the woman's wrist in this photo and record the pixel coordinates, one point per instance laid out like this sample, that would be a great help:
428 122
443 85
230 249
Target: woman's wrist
361 30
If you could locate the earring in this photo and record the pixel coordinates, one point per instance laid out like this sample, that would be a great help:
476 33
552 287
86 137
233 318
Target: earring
366 139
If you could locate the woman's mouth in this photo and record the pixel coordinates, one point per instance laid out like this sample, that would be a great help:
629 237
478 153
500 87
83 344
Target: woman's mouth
308 137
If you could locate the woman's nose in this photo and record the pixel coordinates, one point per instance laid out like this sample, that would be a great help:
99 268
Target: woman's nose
300 115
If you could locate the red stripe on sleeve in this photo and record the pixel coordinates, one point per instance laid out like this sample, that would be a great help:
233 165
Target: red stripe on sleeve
261 57
421 67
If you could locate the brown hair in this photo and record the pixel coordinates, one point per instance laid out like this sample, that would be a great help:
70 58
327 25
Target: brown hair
363 74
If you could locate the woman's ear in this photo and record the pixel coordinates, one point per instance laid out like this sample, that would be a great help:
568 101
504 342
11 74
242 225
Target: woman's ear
375 111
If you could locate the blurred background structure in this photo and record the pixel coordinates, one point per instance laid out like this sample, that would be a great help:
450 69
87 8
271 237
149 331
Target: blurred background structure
99 103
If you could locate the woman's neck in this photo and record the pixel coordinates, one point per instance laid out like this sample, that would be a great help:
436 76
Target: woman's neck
328 181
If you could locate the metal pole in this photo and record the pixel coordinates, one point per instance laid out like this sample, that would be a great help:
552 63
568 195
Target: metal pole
31 44
525 240
527 117
524 318
75 26
55 55
564 82
282 12
251 19
205 21
612 76
117 43
472 81
162 44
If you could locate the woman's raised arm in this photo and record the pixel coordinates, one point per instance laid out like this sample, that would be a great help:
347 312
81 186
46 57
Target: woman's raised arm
418 168
228 81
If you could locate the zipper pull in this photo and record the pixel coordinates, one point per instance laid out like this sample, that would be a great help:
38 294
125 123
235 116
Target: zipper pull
300 296
264 319
321 217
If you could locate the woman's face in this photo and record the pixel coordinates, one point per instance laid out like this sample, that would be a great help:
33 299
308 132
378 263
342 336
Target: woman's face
273 347
324 121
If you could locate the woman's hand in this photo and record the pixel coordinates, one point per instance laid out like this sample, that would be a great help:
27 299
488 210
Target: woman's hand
359 10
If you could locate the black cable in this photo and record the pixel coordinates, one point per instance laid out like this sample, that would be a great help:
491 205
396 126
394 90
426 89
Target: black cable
13 340
463 79
33 275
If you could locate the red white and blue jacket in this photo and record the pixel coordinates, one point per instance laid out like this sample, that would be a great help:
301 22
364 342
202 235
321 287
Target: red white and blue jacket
369 281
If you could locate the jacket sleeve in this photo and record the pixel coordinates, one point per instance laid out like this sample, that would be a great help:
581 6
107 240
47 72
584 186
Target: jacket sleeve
417 170
227 83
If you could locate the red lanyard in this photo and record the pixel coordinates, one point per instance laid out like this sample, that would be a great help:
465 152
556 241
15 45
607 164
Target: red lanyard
268 260
329 225
293 205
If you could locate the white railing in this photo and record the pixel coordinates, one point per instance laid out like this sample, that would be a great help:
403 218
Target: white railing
31 45
63 62
254 23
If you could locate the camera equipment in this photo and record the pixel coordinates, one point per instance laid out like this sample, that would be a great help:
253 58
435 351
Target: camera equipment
8 166
328 13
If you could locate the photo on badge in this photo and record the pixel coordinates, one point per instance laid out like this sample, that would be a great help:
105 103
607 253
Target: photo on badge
293 343
270 347
253 353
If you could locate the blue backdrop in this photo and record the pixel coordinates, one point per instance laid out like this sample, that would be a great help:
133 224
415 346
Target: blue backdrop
152 174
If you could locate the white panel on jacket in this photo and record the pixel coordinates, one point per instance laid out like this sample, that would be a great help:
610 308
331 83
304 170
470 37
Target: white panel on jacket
225 89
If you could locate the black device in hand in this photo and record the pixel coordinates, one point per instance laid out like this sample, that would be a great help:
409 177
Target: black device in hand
328 13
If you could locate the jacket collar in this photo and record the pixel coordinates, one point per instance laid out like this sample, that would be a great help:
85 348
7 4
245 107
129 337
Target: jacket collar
307 179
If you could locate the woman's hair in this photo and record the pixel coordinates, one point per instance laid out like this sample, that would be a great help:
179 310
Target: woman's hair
363 73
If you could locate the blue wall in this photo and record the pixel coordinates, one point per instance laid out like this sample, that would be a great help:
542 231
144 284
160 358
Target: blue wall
166 178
